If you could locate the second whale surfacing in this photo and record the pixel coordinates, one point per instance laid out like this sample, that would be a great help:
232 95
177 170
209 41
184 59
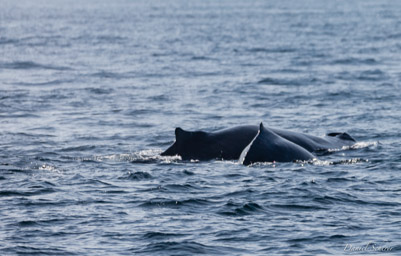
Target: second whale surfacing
228 144
267 146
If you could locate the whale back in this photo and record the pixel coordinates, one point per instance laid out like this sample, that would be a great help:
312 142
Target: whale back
267 146
191 145
229 144
224 144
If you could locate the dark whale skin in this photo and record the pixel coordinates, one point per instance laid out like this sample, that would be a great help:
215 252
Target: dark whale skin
267 146
228 144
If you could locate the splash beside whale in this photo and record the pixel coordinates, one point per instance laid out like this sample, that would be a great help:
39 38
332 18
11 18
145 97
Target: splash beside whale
260 143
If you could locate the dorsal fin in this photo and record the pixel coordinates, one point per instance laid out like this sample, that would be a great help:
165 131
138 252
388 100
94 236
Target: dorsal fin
244 152
267 146
180 133
341 135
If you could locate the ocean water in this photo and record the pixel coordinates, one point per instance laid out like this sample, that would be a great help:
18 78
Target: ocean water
91 92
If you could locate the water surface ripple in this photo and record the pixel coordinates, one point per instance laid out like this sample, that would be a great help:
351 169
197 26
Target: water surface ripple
90 94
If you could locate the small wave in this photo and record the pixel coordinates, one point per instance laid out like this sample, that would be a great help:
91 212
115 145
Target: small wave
184 248
201 74
201 58
32 135
139 112
272 50
13 169
159 98
100 90
325 200
136 176
238 192
161 202
339 162
97 182
144 156
27 223
366 144
51 82
275 164
241 210
39 250
297 207
45 203
15 94
355 61
78 148
372 75
30 65
178 188
108 74
346 198
19 115
6 193
338 179
161 235
367 75
296 82
188 173
159 54
4 40
358 145
317 239
30 223
50 168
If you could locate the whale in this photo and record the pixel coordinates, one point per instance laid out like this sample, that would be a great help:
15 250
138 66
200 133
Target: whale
229 143
226 144
267 146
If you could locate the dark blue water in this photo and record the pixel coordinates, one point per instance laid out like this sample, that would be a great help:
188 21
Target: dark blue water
90 94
